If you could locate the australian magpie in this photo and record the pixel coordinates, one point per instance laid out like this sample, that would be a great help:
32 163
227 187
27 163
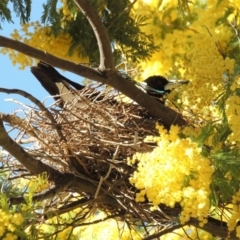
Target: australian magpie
61 88
158 86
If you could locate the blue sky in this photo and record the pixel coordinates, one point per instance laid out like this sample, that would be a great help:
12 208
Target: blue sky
12 77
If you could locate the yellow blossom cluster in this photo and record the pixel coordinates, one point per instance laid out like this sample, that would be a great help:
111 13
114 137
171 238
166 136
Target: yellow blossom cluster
235 217
206 68
42 38
233 115
38 184
169 39
233 112
174 172
65 10
8 224
110 229
201 42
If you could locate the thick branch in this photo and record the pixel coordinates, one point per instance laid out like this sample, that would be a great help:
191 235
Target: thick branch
163 232
216 227
213 226
78 69
106 57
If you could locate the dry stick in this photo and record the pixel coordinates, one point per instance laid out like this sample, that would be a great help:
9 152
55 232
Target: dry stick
165 231
14 120
108 173
18 103
42 107
21 155
38 103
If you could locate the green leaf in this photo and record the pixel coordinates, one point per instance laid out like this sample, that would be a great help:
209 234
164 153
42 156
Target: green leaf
49 11
5 13
206 132
22 8
222 133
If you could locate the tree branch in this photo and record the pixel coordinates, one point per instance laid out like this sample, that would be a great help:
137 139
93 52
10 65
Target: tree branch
164 114
104 45
163 232
39 196
78 69
68 207
216 227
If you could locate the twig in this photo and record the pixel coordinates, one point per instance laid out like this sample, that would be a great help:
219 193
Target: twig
102 179
38 103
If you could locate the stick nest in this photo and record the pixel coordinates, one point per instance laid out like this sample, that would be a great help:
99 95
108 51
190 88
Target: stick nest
93 136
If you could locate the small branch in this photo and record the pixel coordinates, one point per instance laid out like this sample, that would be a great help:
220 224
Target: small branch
216 227
234 27
39 104
49 193
104 45
102 179
165 231
33 165
20 123
66 208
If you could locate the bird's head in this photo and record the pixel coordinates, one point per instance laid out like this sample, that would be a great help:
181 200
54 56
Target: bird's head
157 82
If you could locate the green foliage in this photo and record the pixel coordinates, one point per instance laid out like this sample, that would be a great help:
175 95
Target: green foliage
222 132
5 13
9 188
22 8
123 29
225 161
49 12
206 132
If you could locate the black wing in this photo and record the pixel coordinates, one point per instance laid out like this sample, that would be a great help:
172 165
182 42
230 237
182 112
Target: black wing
57 85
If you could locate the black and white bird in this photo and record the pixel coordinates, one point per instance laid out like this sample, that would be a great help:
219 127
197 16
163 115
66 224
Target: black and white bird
158 86
63 89
60 87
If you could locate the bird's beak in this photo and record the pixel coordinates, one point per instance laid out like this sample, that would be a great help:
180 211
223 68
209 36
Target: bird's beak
174 83
145 88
